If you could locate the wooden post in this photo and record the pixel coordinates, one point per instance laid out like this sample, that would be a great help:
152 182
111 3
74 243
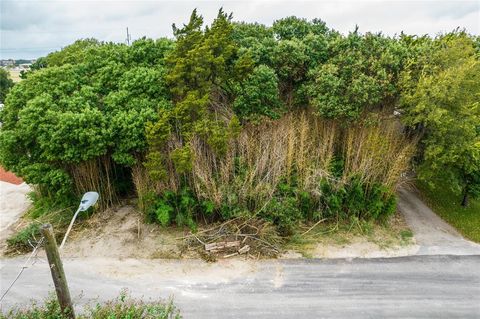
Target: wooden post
56 268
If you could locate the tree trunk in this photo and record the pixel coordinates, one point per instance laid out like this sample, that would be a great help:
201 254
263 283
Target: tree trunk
465 198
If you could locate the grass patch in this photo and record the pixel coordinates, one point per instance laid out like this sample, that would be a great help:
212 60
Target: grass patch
25 239
43 210
124 307
393 233
443 201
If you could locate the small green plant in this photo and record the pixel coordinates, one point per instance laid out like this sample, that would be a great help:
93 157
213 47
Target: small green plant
124 307
25 239
374 202
406 235
43 205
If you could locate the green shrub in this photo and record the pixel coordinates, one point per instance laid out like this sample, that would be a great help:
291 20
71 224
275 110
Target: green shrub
283 213
258 95
43 205
375 202
181 208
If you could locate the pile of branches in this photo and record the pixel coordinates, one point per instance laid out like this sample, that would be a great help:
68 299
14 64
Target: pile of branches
251 237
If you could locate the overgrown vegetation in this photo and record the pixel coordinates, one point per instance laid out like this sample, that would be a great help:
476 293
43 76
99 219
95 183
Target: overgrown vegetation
124 307
43 210
289 124
298 168
5 84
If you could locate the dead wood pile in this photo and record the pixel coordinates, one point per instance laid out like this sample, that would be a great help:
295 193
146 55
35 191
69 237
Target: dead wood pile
252 238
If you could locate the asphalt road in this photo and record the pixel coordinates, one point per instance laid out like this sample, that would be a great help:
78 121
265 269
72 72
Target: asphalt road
404 287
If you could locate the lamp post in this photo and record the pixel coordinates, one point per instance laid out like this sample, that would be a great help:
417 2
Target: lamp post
89 199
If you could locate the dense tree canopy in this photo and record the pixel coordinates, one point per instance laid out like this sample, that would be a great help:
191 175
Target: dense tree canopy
152 102
87 101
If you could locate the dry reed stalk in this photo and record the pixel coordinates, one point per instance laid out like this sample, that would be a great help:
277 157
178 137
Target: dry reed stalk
95 175
299 144
376 153
262 155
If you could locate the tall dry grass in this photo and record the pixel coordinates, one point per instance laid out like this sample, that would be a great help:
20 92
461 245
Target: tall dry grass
95 175
264 155
299 146
376 153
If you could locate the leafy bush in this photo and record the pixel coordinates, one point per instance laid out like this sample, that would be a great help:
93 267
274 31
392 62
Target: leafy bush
257 95
374 202
181 208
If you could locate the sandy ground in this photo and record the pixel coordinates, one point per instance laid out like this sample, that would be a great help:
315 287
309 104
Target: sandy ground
361 247
122 234
13 204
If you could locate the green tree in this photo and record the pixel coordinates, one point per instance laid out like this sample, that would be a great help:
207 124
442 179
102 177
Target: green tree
296 28
83 111
5 84
258 95
445 104
360 75
202 69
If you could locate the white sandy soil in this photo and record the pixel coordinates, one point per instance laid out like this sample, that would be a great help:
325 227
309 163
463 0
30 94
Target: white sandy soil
13 203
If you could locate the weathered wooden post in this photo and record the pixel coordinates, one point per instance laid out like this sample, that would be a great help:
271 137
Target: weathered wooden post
56 268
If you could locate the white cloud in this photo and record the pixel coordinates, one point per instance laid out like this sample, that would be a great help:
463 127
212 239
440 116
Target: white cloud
33 28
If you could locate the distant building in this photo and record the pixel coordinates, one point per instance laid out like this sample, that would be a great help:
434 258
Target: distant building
8 62
24 66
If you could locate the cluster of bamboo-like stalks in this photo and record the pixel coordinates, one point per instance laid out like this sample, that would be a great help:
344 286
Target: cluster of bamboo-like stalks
301 146
95 175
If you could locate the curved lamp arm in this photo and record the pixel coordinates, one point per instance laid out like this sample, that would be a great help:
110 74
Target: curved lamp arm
89 199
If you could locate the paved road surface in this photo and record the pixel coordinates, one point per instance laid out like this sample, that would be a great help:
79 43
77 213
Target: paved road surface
404 287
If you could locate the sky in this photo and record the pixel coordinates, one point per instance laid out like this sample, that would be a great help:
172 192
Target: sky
30 29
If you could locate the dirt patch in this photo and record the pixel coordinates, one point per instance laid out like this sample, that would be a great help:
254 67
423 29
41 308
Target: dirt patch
122 233
9 177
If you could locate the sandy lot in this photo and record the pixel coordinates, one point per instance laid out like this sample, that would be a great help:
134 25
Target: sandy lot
13 204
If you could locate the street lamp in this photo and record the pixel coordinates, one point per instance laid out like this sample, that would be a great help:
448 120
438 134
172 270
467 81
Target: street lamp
89 199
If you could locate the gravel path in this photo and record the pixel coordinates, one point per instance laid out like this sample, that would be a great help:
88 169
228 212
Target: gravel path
432 234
